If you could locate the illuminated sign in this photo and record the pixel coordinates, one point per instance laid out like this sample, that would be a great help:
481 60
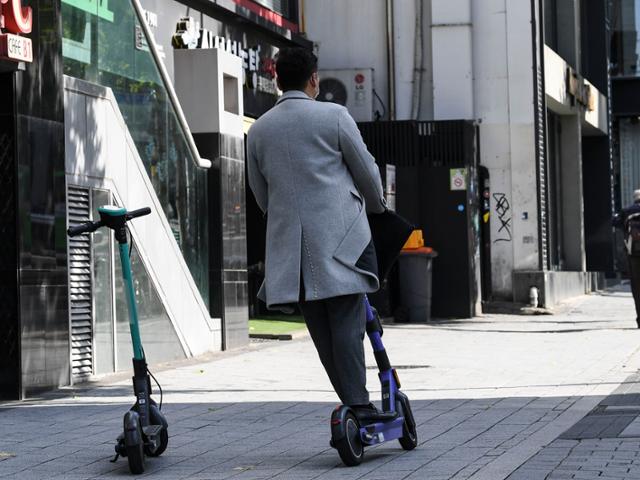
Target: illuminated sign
15 20
579 90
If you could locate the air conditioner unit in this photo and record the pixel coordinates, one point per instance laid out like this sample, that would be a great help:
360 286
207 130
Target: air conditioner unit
352 88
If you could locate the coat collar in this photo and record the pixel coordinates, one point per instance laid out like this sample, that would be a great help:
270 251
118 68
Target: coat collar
293 94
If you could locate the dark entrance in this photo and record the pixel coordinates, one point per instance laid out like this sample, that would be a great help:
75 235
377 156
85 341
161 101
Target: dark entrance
430 159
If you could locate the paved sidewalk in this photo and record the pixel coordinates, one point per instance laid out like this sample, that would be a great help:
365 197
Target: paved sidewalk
491 396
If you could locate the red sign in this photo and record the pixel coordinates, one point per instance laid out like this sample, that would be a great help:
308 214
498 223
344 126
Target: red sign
16 20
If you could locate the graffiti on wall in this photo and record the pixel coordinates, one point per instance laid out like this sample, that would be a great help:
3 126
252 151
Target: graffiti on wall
503 211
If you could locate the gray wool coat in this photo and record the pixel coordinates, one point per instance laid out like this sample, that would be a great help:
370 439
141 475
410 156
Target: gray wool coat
313 177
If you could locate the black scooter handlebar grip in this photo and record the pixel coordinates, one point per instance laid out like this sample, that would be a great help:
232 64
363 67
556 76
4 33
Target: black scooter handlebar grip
141 212
87 227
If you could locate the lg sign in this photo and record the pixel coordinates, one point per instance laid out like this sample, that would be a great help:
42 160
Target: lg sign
15 20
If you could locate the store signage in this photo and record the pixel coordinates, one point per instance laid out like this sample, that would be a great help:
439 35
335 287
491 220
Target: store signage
259 73
15 21
579 90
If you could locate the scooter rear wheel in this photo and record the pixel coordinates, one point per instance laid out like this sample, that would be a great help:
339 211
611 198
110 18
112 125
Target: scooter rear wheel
350 446
157 418
409 439
134 444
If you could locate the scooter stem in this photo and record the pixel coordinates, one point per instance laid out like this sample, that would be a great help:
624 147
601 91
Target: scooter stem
134 327
388 378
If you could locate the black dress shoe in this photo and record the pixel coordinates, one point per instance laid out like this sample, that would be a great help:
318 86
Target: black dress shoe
369 414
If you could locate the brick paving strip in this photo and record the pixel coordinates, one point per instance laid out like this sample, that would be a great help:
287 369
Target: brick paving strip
604 444
491 396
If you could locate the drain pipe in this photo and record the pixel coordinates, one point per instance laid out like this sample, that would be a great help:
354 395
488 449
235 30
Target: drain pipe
418 63
391 65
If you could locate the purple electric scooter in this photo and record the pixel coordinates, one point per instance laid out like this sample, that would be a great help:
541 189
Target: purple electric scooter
348 435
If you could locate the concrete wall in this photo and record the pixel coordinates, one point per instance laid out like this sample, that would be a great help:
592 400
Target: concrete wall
503 102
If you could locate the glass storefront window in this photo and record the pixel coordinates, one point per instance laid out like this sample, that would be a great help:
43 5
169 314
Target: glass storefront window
625 43
103 43
159 338
103 289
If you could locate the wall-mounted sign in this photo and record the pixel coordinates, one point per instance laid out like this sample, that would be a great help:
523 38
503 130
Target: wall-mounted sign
15 21
458 178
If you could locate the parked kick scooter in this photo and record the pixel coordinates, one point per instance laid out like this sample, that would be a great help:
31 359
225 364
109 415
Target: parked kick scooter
145 428
395 421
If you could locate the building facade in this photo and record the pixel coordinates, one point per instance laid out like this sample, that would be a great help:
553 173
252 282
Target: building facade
534 77
625 84
93 118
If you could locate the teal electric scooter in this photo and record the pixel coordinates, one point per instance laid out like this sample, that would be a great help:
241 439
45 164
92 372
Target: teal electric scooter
145 427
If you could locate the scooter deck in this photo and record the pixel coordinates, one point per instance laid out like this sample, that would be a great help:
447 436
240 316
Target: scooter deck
152 430
381 431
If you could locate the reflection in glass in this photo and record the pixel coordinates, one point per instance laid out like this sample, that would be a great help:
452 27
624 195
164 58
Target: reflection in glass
103 43
625 42
160 341
102 289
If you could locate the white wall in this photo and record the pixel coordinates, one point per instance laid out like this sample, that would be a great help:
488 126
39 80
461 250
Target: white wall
451 34
503 103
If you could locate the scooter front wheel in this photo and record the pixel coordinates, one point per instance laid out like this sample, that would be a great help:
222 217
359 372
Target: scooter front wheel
133 442
409 439
345 433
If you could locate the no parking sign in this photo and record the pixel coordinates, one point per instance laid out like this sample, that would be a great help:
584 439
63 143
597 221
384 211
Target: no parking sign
458 177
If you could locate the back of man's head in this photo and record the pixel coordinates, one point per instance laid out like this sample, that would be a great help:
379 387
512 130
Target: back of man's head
294 67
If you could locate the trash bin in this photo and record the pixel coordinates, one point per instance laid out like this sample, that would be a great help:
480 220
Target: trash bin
414 284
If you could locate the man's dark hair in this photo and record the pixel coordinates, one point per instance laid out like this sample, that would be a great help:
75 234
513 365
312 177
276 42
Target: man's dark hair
294 67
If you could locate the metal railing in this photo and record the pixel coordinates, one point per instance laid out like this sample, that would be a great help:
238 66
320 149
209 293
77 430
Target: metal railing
173 98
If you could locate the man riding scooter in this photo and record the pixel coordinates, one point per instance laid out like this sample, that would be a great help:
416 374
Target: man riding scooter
314 179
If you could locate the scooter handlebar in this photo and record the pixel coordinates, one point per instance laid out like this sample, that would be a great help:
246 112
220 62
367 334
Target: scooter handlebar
87 227
90 227
141 212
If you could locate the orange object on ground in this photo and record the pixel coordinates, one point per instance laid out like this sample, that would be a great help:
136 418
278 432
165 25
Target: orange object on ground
415 240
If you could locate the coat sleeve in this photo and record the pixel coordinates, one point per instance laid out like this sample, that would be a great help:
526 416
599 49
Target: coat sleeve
361 163
257 182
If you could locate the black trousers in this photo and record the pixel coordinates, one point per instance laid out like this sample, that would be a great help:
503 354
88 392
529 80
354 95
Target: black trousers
634 276
337 326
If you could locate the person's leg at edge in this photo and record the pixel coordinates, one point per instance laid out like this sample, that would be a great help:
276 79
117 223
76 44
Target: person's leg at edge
634 276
